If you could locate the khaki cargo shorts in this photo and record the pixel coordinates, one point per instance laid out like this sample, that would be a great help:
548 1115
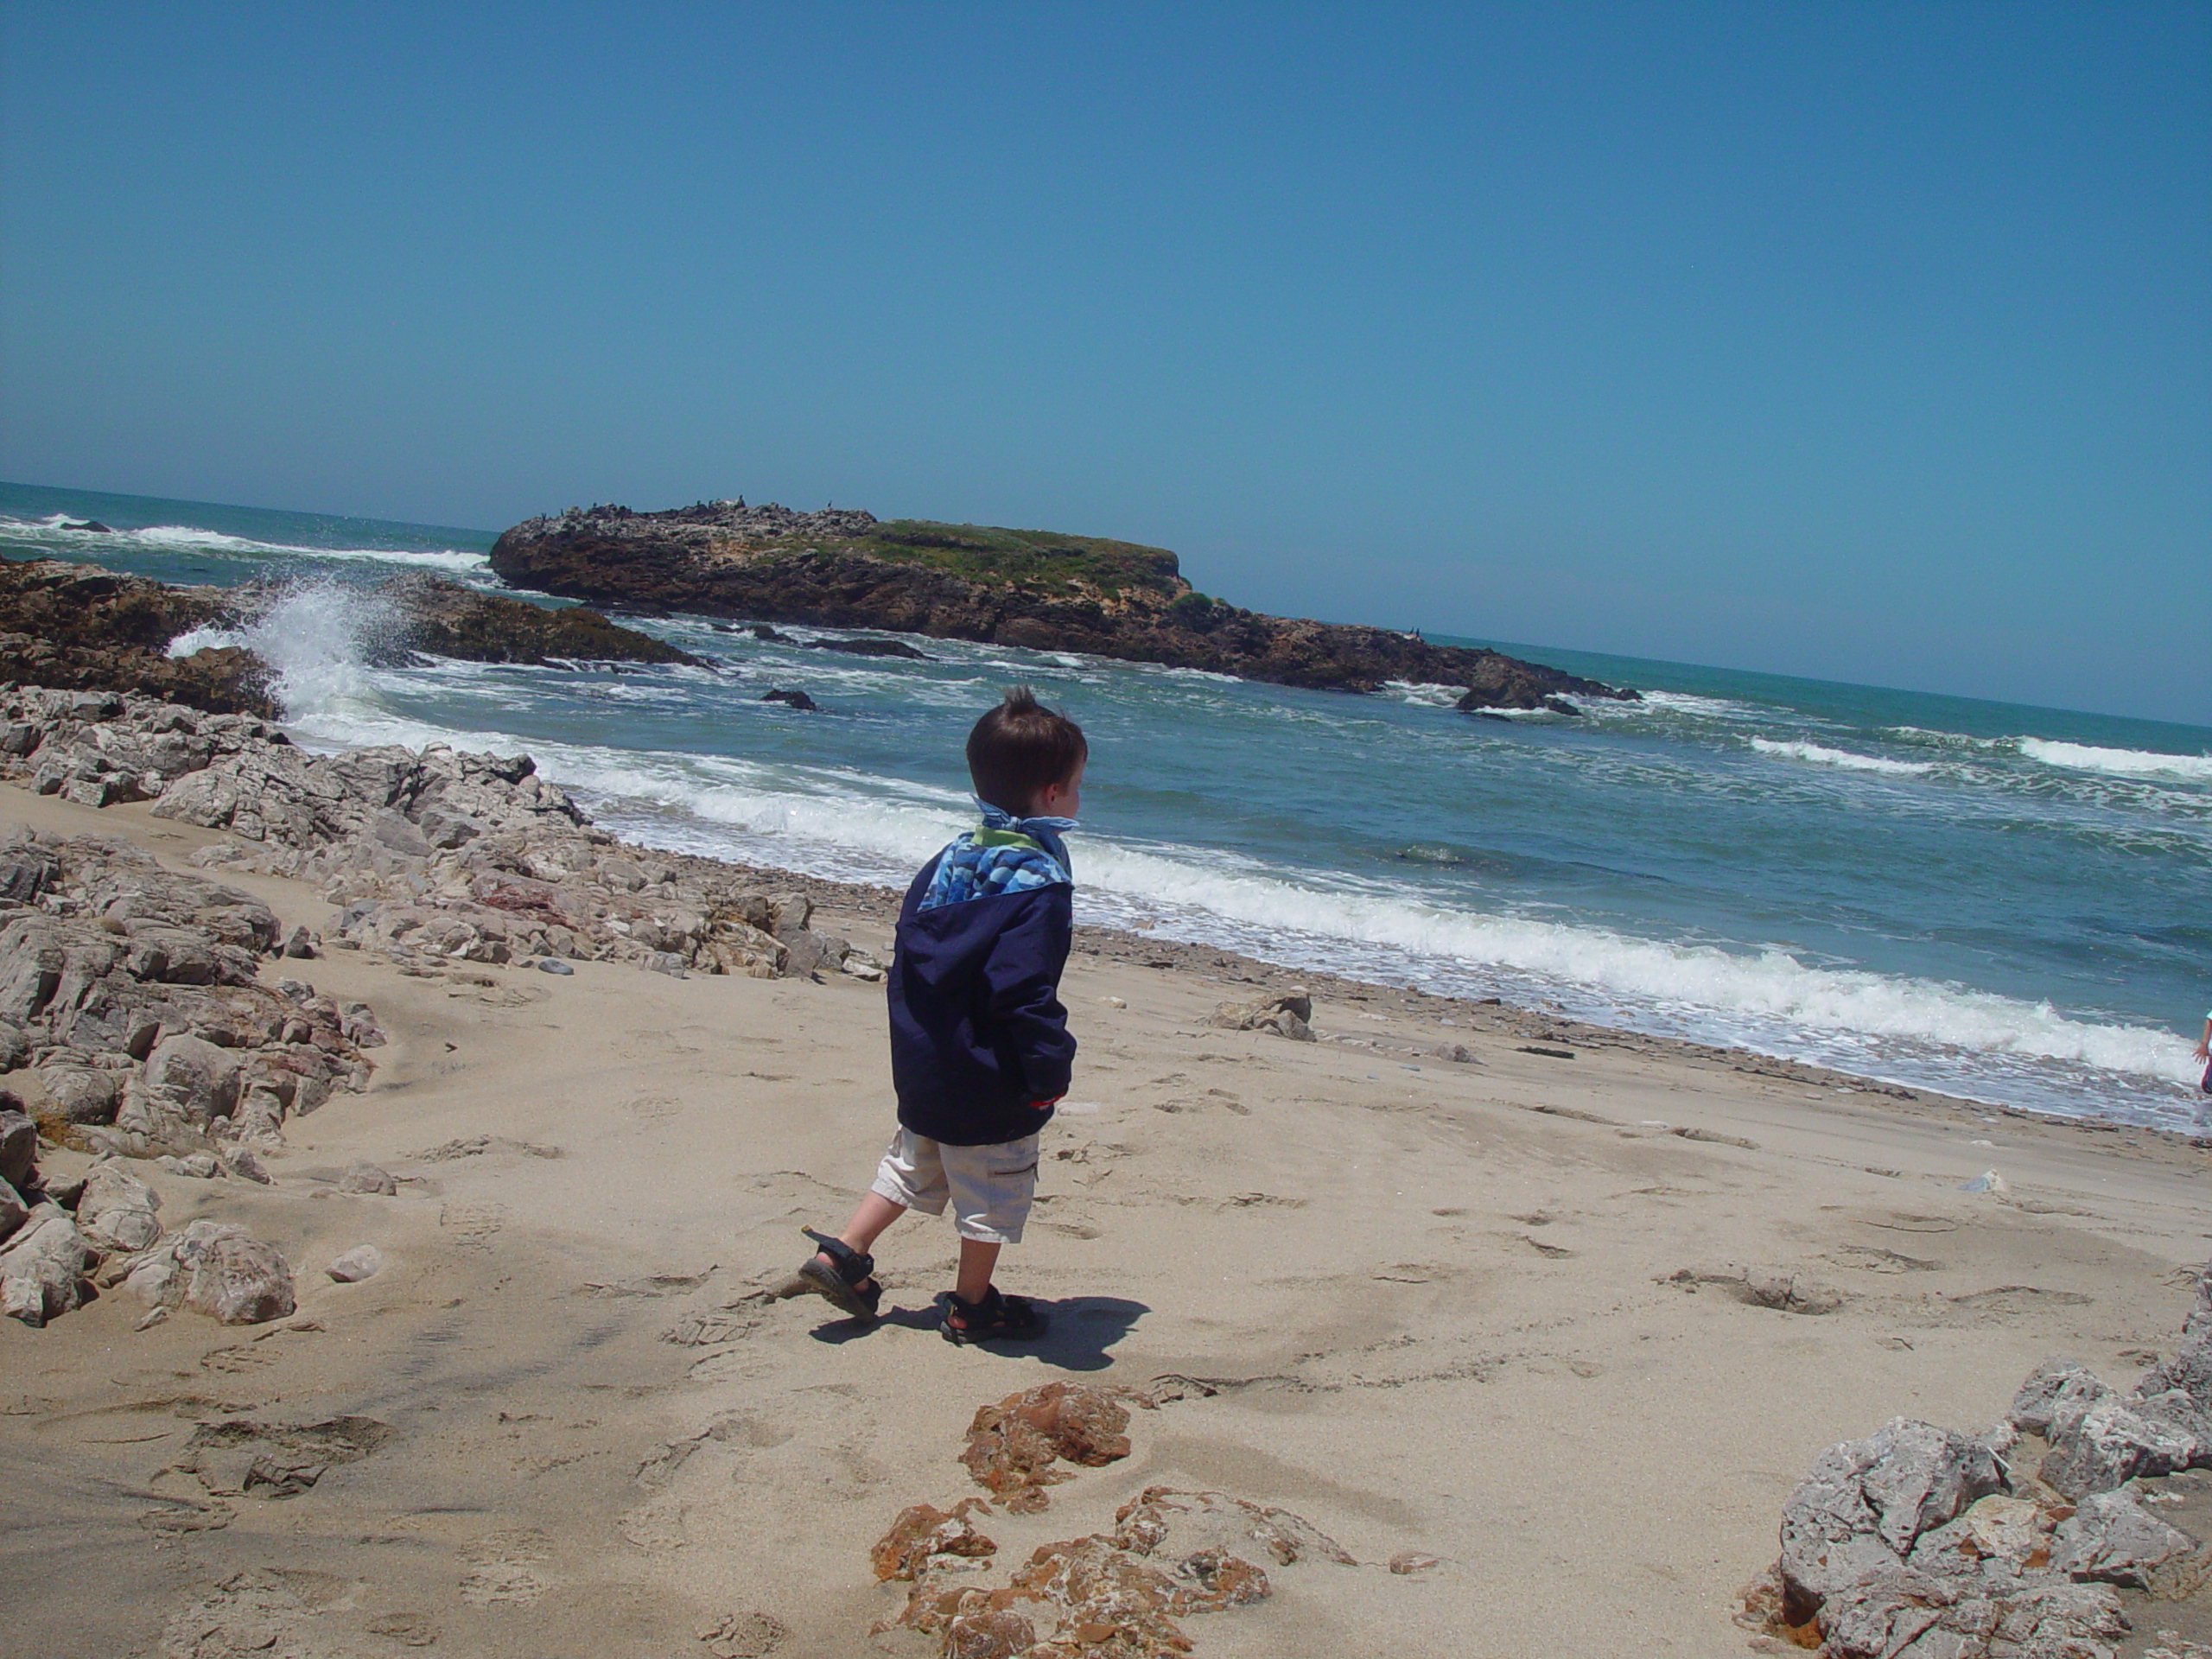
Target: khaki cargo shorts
990 1187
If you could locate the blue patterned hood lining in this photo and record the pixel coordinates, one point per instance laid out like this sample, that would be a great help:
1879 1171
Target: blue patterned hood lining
1004 854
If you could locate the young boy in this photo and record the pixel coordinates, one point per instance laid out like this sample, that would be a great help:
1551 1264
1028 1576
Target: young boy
980 1050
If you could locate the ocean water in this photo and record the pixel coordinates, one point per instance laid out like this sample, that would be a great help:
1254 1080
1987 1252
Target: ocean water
2005 902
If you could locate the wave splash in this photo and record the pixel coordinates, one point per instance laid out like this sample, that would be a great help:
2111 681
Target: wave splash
317 638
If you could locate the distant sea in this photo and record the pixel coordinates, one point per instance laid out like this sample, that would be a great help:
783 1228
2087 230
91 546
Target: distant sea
2009 903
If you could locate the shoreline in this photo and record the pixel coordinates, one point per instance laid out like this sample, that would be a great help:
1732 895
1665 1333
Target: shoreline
1244 976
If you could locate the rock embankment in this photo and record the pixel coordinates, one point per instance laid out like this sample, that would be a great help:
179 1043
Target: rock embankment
134 1022
842 569
134 1025
1921 1542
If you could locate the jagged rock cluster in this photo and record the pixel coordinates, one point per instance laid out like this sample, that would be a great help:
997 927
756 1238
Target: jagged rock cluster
1920 1542
133 1020
433 856
1108 1595
133 1023
445 619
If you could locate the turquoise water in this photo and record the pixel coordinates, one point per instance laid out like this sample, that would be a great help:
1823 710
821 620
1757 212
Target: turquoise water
2008 902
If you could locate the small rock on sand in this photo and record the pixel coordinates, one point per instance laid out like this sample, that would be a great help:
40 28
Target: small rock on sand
362 1262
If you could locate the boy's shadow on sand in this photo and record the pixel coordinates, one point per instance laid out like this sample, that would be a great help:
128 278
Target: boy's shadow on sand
1078 1329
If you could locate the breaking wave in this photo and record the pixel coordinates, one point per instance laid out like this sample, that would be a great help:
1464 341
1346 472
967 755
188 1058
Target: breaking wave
1843 758
2123 763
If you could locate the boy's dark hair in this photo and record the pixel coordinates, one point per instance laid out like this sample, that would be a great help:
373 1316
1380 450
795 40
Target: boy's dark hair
1021 749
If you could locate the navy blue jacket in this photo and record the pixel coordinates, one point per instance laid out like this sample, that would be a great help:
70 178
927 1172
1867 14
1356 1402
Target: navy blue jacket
977 1031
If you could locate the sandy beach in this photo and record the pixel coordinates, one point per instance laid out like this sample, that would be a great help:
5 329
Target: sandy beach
1505 1312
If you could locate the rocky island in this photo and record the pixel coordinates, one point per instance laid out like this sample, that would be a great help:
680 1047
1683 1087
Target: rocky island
1034 588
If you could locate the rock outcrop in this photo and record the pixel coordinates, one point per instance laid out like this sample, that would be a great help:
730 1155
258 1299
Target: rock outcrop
444 618
434 856
134 1019
964 582
1919 1542
79 627
82 628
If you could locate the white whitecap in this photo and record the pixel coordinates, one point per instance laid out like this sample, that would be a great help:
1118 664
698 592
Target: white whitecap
2124 763
1842 758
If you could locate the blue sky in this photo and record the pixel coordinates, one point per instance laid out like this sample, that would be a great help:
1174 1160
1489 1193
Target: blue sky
1867 341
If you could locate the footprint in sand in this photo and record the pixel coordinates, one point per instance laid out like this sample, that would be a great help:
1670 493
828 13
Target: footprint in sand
747 1635
473 1225
1868 1259
656 1527
507 1568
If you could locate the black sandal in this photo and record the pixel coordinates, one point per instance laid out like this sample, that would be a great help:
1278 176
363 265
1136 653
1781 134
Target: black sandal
848 1281
1010 1318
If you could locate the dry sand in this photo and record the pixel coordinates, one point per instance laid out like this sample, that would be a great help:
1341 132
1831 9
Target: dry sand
1433 1302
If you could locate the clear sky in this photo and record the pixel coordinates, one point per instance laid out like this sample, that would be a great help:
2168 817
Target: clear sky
1869 341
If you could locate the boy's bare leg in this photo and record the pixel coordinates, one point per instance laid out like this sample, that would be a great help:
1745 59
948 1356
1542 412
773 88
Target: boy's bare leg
873 1214
976 1260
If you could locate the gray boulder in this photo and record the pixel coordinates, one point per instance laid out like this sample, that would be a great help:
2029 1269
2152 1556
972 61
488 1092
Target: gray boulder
2189 1367
79 1094
1289 1013
220 1270
18 1149
117 1210
1866 1502
46 1268
2010 1532
2032 1407
2113 1442
362 1262
368 1179
195 1075
13 1212
1896 1613
2112 1538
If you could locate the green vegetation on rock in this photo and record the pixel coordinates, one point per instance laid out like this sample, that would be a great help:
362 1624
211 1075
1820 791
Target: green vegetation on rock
1042 561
